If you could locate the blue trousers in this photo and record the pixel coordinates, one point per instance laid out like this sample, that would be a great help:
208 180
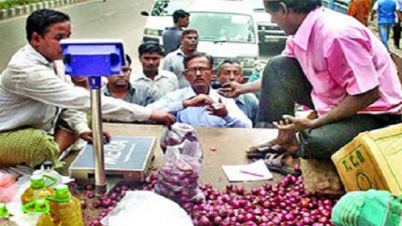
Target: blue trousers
383 31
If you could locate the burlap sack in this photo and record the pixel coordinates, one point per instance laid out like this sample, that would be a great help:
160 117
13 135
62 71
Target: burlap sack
321 178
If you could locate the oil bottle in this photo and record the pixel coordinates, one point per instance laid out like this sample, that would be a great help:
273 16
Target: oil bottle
38 189
66 207
42 207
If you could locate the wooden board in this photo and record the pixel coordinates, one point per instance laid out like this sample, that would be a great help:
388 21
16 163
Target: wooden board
230 144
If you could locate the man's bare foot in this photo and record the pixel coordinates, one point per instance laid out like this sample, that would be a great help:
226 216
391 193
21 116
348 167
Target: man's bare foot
286 140
265 145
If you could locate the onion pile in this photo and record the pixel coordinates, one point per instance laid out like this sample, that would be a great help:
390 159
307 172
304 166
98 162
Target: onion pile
102 204
285 203
178 181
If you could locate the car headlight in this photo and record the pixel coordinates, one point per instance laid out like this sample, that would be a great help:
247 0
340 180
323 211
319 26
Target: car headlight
152 32
247 62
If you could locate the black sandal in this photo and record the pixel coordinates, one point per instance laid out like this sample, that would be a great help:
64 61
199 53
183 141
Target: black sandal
263 151
275 163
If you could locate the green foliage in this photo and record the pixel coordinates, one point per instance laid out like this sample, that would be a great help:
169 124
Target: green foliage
13 3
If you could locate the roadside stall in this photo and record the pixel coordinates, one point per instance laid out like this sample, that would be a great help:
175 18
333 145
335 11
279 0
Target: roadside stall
209 198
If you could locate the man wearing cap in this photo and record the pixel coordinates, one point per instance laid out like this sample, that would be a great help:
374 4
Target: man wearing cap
332 64
172 35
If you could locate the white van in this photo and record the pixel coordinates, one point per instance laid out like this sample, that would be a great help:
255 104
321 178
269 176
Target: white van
160 17
226 29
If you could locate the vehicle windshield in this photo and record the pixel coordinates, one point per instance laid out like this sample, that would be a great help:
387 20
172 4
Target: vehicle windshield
167 8
256 4
223 27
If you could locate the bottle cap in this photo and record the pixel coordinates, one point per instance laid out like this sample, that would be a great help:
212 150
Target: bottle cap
62 193
3 210
47 165
37 181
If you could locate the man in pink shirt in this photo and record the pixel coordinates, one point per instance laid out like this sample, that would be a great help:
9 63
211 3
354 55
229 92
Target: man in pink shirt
332 64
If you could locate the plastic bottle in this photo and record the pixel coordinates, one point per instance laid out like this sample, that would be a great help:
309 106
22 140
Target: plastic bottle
3 210
48 170
66 207
42 207
38 189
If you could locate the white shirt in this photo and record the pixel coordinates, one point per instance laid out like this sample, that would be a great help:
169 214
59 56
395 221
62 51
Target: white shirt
32 95
199 116
174 62
164 82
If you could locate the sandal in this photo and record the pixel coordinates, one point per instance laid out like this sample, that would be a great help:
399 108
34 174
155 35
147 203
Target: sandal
261 152
277 162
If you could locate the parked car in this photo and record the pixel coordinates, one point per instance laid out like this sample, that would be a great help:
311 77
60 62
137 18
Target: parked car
226 30
160 17
269 33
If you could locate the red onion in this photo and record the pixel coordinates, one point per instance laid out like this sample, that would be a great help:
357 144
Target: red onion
72 185
96 204
204 221
83 204
239 190
106 202
113 196
89 187
96 222
90 195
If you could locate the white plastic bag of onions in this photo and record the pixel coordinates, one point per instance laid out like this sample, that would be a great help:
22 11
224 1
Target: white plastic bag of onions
178 175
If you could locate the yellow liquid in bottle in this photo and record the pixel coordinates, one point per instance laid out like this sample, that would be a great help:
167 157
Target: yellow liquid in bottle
32 194
47 220
37 190
70 213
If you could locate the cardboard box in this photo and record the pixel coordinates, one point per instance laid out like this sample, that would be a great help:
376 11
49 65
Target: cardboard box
372 160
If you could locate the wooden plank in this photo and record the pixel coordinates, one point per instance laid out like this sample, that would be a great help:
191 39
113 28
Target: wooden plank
229 142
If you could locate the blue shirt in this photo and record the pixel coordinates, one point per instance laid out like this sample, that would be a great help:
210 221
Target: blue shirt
171 39
386 11
248 103
199 116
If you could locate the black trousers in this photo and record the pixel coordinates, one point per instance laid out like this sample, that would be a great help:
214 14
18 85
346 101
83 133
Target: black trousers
397 33
285 84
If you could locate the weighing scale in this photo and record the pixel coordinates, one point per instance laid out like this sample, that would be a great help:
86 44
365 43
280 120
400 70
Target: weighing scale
94 58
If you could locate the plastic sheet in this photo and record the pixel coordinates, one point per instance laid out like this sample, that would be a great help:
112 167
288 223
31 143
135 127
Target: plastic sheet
145 208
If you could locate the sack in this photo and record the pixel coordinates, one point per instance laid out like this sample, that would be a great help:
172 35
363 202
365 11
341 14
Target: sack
179 173
368 208
321 178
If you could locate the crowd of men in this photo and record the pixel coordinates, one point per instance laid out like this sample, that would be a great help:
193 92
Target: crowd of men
349 80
